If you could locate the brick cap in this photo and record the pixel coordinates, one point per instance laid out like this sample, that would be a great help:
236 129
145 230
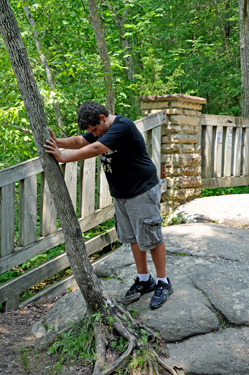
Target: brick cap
180 97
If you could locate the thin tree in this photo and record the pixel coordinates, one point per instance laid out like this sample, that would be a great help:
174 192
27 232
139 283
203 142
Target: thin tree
46 67
93 291
244 56
104 56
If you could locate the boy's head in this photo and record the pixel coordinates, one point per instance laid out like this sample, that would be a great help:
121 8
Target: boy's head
89 114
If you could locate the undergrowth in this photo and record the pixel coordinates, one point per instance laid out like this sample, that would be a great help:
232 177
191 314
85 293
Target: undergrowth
225 191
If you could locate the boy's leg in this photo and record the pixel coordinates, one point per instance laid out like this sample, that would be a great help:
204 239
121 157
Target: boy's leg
140 258
159 258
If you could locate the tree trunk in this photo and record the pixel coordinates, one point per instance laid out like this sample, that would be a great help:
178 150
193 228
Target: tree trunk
103 52
91 288
244 56
46 67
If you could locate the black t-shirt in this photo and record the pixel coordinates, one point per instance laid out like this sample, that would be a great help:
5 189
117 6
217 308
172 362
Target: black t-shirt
127 165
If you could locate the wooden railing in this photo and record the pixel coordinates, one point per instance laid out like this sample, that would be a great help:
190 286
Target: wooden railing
24 193
225 151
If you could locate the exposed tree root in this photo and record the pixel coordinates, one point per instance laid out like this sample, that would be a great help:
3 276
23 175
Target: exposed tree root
100 348
133 331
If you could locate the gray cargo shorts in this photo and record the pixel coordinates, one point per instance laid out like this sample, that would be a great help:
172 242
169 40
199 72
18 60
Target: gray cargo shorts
138 219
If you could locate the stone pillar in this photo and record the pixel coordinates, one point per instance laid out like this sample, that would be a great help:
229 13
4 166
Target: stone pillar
180 148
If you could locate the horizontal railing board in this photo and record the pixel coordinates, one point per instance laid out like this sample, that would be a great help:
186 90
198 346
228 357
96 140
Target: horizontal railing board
22 170
52 266
41 245
215 120
52 291
217 182
151 121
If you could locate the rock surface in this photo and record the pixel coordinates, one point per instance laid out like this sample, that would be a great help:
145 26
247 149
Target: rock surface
205 321
223 209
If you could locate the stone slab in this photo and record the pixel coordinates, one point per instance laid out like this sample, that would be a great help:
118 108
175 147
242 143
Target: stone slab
224 209
194 315
226 284
221 353
208 240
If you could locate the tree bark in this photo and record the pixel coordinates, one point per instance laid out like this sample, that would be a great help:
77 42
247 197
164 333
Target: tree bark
104 56
91 288
46 67
244 56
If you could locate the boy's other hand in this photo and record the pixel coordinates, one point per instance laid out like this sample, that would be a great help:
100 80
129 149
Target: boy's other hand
53 136
51 148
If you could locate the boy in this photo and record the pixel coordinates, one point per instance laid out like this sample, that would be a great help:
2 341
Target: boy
133 183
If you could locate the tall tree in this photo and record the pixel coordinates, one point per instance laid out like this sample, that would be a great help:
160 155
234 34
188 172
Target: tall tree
94 293
103 52
244 55
46 67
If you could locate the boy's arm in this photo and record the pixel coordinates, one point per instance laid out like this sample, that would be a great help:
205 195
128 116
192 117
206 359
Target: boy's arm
86 152
72 143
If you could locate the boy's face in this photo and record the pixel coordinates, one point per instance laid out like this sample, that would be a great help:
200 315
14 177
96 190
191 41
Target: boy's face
100 129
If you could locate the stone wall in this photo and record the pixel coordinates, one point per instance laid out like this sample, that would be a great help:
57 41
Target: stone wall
180 160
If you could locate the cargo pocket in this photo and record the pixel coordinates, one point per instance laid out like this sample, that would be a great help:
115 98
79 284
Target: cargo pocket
152 232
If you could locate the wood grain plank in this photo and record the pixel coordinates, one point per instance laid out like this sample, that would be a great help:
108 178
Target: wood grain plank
151 121
216 120
218 141
27 210
87 204
70 175
228 152
7 219
156 149
20 171
209 183
207 152
237 152
104 196
245 152
48 213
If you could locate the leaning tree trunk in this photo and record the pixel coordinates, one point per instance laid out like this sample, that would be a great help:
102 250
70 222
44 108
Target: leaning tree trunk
244 56
104 56
91 288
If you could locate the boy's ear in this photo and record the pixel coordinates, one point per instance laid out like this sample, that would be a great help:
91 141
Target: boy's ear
103 117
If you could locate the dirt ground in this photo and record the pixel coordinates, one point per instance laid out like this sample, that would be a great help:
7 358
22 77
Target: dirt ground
20 352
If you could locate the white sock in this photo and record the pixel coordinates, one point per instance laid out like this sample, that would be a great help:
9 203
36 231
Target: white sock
163 279
143 276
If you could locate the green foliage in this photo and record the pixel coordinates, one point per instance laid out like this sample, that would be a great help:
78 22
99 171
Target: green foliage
225 191
25 359
184 47
77 344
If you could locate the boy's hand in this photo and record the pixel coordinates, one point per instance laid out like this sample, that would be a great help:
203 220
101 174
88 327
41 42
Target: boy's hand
53 136
51 148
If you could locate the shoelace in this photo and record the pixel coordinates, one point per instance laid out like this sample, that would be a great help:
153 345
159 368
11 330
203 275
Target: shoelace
158 291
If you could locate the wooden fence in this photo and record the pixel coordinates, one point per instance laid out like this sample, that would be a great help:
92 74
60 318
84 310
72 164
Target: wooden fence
24 194
224 144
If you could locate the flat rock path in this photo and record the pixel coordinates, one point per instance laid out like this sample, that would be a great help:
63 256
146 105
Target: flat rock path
206 320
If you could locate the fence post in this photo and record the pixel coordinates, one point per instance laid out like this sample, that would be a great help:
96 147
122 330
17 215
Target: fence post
180 148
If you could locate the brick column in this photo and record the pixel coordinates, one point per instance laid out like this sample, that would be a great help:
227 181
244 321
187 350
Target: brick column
181 160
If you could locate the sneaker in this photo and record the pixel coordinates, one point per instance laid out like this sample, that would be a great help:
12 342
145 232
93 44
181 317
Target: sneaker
141 287
162 291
